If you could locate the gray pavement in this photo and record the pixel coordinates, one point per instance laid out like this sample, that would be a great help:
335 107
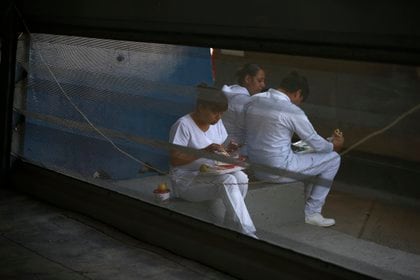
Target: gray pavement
39 241
388 222
376 234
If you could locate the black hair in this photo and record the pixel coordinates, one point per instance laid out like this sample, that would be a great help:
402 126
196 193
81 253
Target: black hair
211 98
248 69
294 82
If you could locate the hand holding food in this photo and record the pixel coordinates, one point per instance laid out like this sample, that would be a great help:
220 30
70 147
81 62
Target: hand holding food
232 146
338 133
337 140
215 148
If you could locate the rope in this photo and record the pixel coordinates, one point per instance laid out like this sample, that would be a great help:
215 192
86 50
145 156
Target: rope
275 171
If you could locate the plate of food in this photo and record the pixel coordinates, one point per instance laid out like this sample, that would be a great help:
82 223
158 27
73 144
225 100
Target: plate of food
301 147
217 169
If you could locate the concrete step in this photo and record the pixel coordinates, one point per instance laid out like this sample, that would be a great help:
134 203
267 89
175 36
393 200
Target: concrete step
355 242
38 241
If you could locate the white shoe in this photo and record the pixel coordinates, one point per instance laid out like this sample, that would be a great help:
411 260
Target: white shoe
252 234
317 220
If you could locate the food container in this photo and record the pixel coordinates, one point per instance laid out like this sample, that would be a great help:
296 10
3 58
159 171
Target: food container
162 193
162 197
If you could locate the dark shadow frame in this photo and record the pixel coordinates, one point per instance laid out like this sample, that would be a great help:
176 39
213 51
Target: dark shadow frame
225 25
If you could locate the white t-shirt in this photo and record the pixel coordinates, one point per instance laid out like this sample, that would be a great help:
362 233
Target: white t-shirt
234 118
185 132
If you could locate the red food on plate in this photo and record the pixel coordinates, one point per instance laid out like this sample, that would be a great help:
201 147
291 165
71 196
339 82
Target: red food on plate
226 166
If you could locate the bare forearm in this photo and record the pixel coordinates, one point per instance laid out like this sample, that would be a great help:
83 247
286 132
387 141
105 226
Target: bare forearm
178 158
182 158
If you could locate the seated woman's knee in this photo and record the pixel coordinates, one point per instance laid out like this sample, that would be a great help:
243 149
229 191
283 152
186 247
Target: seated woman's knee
229 183
241 177
229 179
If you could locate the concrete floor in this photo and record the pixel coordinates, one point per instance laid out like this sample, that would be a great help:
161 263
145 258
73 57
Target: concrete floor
39 241
389 222
374 235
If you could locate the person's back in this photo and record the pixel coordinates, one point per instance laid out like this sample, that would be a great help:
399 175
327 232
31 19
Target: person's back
233 118
268 138
271 120
251 80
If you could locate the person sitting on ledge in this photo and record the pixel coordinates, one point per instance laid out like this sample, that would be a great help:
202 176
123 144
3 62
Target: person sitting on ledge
272 118
203 130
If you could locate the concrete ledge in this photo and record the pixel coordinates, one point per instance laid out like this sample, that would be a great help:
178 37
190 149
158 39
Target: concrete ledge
277 211
274 205
283 204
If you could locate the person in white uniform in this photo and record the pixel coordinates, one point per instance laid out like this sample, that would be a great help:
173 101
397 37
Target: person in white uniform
203 130
251 80
272 118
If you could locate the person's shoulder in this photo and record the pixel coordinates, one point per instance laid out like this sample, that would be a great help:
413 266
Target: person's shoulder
261 94
297 109
259 97
219 123
219 128
183 121
185 118
260 103
234 89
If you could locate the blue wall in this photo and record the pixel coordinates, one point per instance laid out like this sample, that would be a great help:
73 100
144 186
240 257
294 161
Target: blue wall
135 88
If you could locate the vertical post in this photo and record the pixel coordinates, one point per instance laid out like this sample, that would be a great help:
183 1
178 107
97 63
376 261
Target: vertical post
7 76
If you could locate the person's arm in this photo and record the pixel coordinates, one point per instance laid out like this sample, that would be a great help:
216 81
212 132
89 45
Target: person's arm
180 135
306 132
178 158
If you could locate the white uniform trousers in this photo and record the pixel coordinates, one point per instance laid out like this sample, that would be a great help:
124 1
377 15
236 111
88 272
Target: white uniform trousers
231 189
324 167
320 165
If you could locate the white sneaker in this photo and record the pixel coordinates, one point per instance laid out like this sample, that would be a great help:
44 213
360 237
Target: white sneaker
252 234
317 220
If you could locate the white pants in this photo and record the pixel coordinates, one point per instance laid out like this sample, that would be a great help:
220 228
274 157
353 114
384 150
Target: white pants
231 189
321 165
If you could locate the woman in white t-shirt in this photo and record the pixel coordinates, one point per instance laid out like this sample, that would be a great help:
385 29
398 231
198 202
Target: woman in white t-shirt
203 130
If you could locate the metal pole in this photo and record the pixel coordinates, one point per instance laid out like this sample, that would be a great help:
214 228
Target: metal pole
7 76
